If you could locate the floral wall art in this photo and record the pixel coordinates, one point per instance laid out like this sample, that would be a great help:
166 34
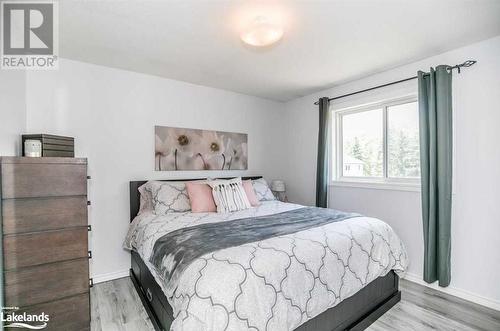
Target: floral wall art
193 149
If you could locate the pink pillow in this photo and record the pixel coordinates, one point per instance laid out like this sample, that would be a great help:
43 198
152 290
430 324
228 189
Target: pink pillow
200 197
247 185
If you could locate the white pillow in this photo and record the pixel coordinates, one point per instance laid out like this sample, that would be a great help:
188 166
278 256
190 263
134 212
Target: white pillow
168 197
262 190
229 195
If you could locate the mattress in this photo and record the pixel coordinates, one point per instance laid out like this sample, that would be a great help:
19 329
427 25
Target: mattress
277 283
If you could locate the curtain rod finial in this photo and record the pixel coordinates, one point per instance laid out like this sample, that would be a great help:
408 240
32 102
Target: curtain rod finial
469 63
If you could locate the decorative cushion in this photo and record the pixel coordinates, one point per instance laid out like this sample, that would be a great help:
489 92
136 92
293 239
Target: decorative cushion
200 197
169 197
262 190
252 198
229 195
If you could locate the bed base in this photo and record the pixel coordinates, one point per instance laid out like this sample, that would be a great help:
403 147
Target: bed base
354 313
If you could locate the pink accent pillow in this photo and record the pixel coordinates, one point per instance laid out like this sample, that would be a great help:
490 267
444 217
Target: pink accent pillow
248 187
200 197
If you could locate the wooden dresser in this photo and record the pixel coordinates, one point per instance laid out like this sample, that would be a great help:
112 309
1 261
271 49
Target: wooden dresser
45 239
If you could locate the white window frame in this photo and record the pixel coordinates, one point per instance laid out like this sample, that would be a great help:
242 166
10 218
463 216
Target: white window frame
336 150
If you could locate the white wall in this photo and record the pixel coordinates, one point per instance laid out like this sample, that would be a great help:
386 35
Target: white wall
12 111
476 207
112 114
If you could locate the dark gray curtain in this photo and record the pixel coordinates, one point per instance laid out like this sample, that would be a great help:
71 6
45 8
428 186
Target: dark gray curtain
322 166
435 112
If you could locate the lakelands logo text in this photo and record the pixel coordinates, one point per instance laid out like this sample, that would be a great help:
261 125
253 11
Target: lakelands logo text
11 319
29 35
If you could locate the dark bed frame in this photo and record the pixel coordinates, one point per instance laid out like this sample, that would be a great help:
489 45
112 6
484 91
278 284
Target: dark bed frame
354 313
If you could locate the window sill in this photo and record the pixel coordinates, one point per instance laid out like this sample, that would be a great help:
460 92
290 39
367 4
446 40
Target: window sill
408 187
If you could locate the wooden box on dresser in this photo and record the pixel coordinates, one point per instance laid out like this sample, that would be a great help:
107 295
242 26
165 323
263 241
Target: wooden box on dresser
45 239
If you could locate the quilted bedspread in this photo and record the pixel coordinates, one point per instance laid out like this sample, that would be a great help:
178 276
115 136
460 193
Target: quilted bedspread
273 283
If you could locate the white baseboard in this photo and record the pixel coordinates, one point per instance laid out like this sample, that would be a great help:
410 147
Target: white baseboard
110 276
466 295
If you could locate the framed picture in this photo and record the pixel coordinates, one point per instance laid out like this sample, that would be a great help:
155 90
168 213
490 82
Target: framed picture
193 149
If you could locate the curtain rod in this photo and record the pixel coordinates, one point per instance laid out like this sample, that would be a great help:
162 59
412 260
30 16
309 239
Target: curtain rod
466 64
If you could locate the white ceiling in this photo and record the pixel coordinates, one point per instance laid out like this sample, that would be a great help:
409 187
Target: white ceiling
325 42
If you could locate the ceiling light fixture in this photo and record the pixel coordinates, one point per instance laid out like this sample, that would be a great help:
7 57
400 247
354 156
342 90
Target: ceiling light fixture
261 33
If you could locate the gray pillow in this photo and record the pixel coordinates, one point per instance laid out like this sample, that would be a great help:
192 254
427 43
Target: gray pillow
262 190
168 197
146 200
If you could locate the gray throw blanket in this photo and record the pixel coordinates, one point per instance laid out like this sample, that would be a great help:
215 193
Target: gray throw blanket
181 247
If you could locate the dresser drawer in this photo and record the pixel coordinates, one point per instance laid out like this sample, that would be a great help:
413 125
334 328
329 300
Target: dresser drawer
41 214
48 282
31 249
27 180
71 313
152 291
136 268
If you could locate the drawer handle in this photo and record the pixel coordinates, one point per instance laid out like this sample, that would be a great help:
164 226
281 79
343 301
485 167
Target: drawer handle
149 295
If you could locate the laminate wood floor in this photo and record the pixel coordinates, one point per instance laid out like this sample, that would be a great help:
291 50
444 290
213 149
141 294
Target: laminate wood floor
115 305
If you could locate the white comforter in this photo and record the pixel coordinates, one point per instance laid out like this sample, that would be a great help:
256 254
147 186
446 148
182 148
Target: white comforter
273 284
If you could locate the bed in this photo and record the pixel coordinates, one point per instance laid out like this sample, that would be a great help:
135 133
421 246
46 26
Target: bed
338 275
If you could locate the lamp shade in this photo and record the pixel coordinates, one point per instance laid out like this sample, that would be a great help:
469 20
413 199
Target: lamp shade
278 186
261 33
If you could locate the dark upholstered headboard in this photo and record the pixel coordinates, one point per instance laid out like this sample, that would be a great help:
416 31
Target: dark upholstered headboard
135 196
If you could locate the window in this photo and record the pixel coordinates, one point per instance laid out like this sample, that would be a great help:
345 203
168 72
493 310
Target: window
378 143
362 144
403 141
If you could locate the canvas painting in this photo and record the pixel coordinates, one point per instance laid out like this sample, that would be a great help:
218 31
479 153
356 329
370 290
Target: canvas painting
193 149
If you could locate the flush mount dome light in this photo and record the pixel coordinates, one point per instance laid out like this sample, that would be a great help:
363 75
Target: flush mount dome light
261 33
